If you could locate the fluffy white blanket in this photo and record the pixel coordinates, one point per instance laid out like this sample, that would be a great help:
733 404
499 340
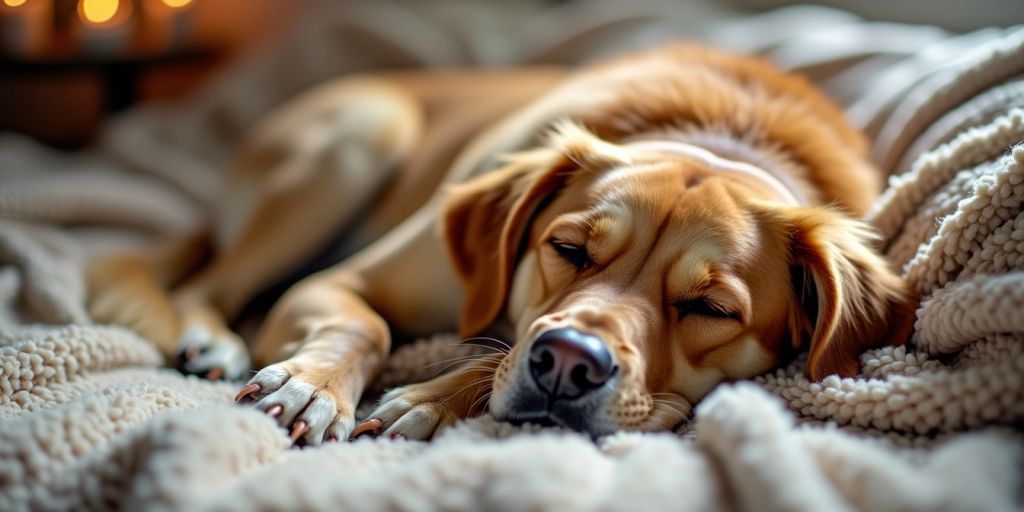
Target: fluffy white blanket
91 421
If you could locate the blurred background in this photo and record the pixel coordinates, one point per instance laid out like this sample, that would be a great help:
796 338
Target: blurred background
66 65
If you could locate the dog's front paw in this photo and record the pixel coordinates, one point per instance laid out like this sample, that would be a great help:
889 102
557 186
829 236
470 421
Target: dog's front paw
311 405
212 353
408 412
419 411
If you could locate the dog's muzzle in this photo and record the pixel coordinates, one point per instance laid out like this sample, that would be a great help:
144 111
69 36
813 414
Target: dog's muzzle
571 378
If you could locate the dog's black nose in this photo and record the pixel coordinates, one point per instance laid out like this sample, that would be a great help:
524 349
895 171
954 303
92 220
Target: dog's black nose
567 363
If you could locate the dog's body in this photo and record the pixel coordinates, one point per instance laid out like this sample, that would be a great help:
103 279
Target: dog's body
660 227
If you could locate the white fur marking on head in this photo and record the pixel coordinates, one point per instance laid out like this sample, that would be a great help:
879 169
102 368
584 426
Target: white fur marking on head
776 183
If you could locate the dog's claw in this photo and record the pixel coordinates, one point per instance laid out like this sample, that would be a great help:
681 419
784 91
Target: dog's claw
371 426
275 410
248 390
299 428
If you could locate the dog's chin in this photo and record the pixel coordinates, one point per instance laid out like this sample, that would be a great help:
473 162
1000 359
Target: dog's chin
524 406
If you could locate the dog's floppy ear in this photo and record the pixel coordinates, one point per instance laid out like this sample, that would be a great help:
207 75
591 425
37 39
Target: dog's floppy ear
486 220
847 294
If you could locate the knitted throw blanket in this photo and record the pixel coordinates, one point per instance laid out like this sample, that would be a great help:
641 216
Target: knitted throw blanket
89 419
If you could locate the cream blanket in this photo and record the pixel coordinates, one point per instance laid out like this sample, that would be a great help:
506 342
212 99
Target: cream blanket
91 421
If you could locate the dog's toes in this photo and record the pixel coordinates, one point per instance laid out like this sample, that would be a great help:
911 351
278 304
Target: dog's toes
402 415
421 422
216 357
265 381
309 414
341 429
321 419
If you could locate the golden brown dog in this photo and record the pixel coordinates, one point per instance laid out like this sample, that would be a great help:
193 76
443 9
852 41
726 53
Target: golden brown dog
637 232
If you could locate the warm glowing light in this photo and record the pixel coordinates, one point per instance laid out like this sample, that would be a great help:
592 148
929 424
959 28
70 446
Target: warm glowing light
17 3
174 3
97 11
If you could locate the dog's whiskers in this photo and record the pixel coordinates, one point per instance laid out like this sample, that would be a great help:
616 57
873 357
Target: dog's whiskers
674 407
663 407
505 347
499 350
476 387
667 415
481 400
486 379
670 395
482 386
496 353
480 381
463 360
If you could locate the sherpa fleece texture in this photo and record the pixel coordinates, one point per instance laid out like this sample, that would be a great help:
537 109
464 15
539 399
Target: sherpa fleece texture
91 421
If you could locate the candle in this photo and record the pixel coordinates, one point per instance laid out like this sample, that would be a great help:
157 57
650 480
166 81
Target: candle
103 27
166 24
25 26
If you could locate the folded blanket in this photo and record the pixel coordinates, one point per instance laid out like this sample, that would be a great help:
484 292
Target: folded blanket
91 420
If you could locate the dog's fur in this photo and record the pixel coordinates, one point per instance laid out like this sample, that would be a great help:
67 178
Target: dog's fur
709 200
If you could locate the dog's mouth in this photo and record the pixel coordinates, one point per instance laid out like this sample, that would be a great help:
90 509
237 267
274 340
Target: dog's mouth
542 420
573 422
540 409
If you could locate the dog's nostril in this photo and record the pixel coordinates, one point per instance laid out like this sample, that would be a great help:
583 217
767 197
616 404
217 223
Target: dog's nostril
585 377
579 377
543 362
567 363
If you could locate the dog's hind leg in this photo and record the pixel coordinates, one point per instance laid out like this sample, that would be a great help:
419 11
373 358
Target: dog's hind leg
301 177
130 288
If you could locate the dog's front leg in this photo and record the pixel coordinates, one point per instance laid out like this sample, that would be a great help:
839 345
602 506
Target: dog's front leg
337 345
418 411
330 329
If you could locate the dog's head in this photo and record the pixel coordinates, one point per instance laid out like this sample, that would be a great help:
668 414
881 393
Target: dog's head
637 280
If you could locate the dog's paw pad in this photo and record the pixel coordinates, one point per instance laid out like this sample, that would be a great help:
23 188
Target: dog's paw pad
220 356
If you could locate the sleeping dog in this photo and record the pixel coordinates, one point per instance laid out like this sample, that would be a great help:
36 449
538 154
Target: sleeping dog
634 233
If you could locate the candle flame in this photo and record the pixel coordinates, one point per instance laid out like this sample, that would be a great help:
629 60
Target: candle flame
175 3
14 3
97 11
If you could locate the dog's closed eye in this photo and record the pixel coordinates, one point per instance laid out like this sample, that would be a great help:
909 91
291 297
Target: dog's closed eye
576 255
703 307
